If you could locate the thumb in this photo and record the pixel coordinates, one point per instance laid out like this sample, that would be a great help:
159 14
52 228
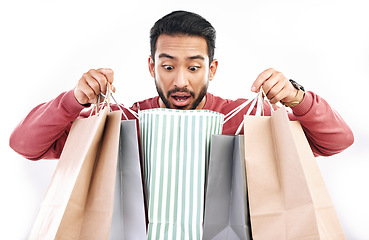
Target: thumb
113 88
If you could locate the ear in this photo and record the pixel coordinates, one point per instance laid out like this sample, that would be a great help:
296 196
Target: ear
151 65
213 69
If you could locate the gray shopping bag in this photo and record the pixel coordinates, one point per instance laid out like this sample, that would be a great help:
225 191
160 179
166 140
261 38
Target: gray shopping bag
226 203
129 212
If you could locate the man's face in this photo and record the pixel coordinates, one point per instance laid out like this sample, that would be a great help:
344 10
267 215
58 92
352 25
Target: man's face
181 71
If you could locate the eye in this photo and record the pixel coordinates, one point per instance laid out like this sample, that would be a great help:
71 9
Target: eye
168 67
193 68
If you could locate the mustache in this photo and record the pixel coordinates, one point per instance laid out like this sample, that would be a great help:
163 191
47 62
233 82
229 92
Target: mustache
177 89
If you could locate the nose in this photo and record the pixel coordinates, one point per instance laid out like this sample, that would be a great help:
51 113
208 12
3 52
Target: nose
181 80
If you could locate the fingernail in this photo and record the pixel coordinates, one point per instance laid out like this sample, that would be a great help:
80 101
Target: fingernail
253 88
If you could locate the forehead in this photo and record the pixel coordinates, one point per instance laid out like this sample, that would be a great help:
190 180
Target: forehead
181 46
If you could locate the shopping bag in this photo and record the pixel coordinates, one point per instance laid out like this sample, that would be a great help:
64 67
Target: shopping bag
175 146
129 210
287 195
78 203
226 203
99 204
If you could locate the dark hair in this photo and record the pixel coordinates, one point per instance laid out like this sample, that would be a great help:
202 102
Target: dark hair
186 23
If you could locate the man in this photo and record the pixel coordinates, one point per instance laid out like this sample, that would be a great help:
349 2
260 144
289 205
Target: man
182 64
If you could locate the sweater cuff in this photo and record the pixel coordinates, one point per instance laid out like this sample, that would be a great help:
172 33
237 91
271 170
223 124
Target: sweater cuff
304 106
71 104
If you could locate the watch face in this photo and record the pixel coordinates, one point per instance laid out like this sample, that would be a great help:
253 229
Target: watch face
296 85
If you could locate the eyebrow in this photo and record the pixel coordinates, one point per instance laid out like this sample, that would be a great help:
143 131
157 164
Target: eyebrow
196 57
165 55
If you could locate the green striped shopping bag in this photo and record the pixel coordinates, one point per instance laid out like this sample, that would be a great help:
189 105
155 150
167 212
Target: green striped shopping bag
175 145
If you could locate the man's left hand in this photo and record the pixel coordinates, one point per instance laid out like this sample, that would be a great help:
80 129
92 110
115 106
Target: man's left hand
276 87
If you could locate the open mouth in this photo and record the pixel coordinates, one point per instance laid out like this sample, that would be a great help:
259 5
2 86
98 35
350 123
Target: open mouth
180 99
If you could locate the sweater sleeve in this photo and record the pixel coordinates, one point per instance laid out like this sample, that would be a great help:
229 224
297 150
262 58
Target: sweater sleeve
324 128
43 132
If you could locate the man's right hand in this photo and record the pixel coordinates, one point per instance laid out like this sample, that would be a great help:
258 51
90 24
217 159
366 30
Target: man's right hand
92 83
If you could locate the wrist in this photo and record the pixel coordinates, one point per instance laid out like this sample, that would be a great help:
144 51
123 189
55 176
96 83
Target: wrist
298 97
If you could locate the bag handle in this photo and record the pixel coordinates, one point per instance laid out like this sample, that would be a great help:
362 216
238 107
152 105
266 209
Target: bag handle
100 105
110 94
260 108
129 110
258 101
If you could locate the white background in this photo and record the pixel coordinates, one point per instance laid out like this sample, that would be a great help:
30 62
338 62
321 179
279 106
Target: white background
45 47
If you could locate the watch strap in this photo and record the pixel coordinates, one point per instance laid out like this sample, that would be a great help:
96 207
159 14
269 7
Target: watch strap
299 97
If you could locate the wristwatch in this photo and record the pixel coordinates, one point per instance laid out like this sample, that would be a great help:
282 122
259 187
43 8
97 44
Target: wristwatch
299 96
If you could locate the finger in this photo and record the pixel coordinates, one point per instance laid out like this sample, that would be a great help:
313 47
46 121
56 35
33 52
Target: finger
279 96
269 84
85 92
291 92
100 80
108 73
261 79
80 96
90 80
273 86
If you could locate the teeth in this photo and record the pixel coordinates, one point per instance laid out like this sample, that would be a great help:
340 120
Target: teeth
180 99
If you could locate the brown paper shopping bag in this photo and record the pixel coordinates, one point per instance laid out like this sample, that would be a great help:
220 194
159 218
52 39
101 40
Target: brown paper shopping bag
287 195
79 200
99 205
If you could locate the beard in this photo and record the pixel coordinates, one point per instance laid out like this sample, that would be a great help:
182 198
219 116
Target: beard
197 101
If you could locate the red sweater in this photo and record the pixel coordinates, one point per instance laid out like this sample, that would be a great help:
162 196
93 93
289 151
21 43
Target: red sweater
43 132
